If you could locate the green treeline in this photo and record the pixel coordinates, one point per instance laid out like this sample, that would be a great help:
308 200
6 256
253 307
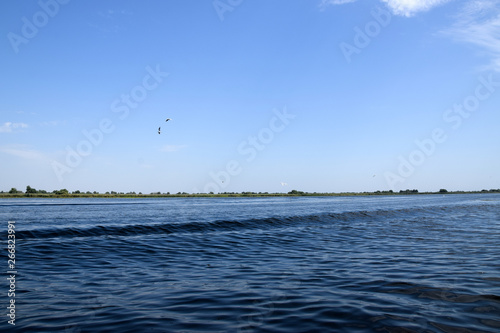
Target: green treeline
64 193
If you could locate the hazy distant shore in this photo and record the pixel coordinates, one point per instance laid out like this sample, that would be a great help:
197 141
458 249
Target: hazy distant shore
293 193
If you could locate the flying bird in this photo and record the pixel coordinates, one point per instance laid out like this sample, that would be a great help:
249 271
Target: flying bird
159 128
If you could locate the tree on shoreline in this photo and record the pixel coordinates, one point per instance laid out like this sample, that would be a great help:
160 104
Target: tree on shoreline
30 190
61 192
295 192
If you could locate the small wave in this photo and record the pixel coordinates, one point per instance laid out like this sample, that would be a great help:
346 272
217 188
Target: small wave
142 229
234 225
436 293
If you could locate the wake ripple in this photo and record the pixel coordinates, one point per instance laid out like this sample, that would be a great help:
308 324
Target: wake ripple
235 225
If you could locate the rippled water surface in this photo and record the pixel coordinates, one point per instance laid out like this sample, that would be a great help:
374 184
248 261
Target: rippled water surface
424 263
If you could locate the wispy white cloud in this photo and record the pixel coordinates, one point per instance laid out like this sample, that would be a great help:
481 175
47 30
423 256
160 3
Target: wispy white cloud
146 166
325 3
112 14
411 7
398 7
9 127
478 23
22 151
107 21
172 148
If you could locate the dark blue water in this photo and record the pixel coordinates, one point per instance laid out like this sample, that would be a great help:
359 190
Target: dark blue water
335 264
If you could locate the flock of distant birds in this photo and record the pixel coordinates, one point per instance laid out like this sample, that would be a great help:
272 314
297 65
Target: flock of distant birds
159 128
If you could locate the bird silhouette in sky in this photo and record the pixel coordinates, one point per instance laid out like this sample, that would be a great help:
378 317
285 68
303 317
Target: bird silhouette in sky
159 128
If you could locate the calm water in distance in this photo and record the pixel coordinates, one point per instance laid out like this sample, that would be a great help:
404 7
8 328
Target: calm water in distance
422 263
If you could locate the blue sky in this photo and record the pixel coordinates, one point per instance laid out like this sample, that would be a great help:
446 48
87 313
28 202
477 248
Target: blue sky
313 95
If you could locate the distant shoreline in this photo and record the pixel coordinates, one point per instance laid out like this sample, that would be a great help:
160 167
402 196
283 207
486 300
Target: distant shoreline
6 195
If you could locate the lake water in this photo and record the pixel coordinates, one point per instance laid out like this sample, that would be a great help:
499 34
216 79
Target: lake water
422 263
